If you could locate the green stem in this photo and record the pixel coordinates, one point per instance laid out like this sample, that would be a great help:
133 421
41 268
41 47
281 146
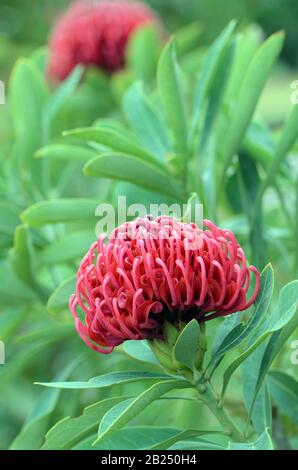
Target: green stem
208 396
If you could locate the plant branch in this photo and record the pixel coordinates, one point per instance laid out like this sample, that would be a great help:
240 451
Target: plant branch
208 396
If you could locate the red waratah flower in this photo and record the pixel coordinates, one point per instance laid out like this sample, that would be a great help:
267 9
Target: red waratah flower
95 33
151 270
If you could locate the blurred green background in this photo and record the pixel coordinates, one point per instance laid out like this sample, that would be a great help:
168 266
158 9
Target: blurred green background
24 27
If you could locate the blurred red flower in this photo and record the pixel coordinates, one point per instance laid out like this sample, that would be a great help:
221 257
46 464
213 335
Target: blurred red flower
152 270
95 33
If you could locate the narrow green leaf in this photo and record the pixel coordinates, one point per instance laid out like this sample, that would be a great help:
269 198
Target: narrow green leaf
58 301
27 111
12 289
198 444
68 248
137 405
286 308
10 319
9 217
107 380
188 37
238 333
130 438
251 88
261 413
66 152
60 210
131 169
286 141
259 143
280 317
63 92
142 52
193 212
249 183
284 391
264 442
215 98
248 42
140 350
226 326
69 431
146 122
187 344
21 256
115 141
171 94
209 71
179 437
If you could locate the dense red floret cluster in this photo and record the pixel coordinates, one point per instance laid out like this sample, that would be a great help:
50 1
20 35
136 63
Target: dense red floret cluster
95 33
150 270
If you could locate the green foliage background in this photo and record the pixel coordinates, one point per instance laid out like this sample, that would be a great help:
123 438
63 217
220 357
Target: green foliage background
163 138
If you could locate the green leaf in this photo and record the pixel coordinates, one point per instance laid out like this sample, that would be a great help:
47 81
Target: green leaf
227 325
130 438
248 42
286 141
20 360
107 380
51 331
12 289
131 169
188 37
21 256
284 391
171 94
27 111
113 421
249 93
143 51
60 210
10 319
39 58
259 143
140 350
9 217
66 151
238 333
178 437
215 98
63 92
285 323
30 353
194 209
187 344
32 433
249 183
264 442
209 72
68 248
197 444
280 317
261 413
115 141
146 122
59 299
27 107
69 431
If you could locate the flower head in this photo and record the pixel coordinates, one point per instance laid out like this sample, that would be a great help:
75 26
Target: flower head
152 270
95 33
